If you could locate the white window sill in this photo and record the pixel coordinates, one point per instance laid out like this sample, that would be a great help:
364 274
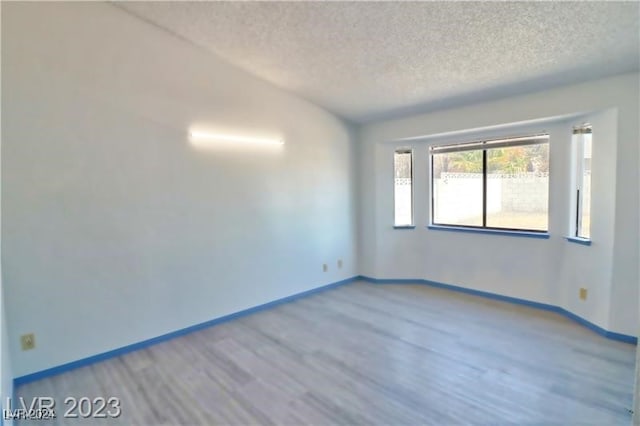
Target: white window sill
526 234
578 240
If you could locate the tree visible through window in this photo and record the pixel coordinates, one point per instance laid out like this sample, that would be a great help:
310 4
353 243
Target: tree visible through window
501 184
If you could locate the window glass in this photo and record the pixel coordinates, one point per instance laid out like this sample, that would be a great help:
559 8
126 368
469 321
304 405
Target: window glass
518 187
495 184
457 188
584 176
403 187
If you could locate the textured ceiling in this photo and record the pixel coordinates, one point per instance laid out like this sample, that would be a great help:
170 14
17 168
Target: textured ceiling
367 61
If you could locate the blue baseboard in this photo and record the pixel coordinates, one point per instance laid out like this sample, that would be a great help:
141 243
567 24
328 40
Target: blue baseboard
146 343
538 305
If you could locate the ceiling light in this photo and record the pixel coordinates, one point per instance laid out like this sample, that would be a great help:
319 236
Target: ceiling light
211 138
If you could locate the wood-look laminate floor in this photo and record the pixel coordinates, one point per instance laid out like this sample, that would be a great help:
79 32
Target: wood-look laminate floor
368 354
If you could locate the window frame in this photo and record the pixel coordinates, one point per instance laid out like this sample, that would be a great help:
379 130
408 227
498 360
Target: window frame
411 151
577 181
484 145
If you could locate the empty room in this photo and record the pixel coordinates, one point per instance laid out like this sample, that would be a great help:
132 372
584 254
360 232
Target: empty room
319 213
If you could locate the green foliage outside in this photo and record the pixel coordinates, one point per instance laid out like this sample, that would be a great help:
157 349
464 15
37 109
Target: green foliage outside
511 160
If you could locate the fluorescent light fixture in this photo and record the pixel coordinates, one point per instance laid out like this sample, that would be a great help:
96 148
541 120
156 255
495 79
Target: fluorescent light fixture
206 138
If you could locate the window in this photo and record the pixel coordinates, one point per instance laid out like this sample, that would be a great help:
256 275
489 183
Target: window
581 212
492 184
403 186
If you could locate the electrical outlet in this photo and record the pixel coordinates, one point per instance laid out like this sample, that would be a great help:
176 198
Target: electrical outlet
583 294
339 263
28 341
325 267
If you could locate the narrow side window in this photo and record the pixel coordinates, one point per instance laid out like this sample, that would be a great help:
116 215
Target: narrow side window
403 186
582 154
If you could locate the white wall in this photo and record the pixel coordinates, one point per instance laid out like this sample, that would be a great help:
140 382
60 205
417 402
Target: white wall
549 271
115 229
636 396
6 373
